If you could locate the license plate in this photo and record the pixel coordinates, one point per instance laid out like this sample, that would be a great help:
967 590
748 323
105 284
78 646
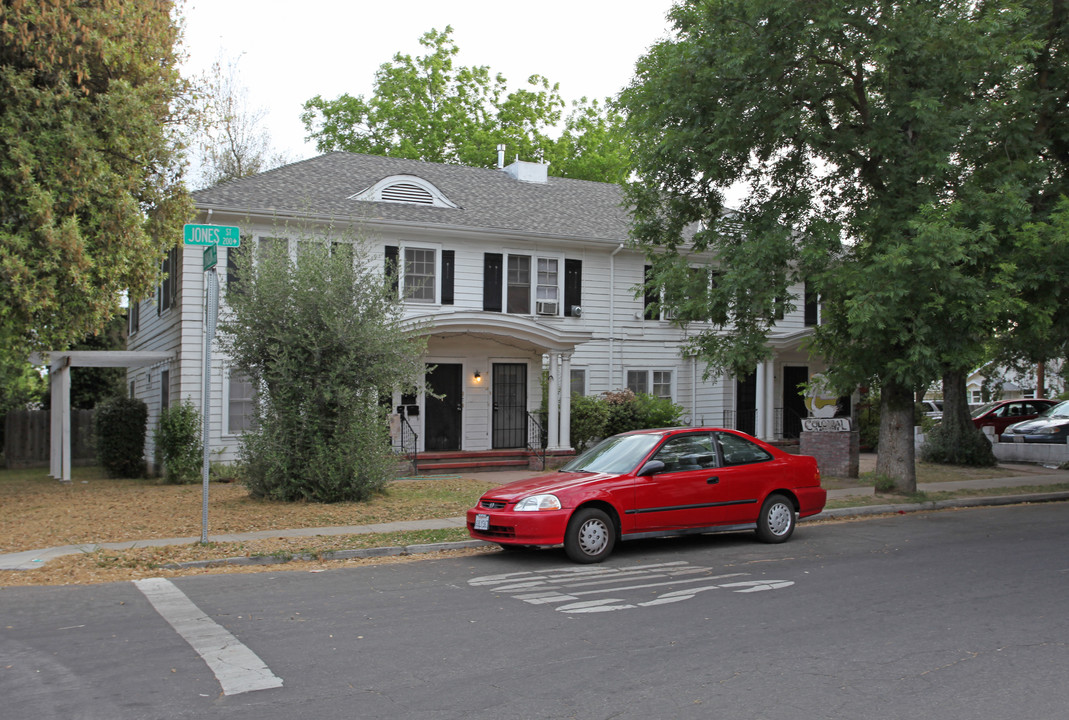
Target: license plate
1018 438
482 521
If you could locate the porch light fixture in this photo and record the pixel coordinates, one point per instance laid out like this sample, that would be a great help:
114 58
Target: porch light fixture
477 376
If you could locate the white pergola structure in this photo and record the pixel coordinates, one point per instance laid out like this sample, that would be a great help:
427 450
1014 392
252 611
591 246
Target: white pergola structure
59 366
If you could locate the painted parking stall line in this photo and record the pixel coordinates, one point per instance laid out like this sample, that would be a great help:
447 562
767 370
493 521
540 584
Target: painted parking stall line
591 589
236 667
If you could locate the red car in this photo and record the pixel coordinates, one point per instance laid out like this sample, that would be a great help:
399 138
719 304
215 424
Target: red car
652 483
1000 415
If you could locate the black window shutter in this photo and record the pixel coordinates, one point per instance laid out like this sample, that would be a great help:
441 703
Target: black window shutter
448 264
650 297
573 285
392 269
811 301
492 263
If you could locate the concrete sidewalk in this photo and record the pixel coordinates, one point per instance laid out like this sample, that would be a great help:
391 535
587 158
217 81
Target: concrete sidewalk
1036 476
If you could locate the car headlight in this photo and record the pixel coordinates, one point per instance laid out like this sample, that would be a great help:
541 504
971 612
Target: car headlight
1052 430
538 502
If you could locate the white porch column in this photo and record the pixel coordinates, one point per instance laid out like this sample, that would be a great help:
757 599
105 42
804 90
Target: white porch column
566 402
553 402
59 463
764 393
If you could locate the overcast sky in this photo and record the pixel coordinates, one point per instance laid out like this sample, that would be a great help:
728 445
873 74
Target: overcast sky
291 51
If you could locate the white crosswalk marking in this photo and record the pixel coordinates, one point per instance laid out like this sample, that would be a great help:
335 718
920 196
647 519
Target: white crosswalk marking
237 668
573 589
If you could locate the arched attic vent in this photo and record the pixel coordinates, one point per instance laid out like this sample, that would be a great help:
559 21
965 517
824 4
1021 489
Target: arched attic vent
407 189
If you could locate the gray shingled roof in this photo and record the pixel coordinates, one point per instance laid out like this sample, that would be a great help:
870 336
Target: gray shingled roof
486 199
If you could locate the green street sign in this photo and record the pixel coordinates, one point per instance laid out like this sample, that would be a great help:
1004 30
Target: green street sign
211 256
225 235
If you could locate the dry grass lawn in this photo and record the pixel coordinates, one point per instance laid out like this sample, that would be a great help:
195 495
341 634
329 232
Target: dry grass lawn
39 512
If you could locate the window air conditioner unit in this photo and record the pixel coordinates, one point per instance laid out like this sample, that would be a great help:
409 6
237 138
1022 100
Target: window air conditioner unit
546 307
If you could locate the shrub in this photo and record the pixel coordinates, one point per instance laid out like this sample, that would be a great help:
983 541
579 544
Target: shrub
120 429
179 449
625 411
294 460
655 412
589 418
947 445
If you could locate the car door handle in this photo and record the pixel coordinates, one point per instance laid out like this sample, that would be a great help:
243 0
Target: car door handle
713 480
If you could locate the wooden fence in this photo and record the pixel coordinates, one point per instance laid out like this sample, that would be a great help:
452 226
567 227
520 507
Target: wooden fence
27 434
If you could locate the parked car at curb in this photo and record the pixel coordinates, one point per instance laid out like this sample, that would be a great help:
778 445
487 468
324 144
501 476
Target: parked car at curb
1051 426
653 483
1003 413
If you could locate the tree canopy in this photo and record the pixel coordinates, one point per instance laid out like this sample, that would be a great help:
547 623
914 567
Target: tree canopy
91 188
426 108
866 136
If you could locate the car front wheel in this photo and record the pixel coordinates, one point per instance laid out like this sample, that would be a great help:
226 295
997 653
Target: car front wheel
776 522
590 536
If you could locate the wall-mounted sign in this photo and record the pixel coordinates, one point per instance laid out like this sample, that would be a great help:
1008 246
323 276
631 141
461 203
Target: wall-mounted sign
840 424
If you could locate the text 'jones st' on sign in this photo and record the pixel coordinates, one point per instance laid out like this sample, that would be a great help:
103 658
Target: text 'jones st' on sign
225 235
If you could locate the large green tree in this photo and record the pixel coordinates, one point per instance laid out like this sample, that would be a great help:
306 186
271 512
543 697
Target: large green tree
427 108
858 130
91 190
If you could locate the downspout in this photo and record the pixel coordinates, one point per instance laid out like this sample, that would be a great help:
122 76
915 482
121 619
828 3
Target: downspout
612 316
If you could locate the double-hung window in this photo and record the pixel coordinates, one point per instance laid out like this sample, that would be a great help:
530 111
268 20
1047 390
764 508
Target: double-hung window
419 275
548 290
650 382
519 285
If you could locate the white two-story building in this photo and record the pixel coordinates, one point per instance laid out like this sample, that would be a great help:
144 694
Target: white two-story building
510 272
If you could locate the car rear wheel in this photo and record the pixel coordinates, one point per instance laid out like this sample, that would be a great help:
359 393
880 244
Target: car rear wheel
590 536
776 522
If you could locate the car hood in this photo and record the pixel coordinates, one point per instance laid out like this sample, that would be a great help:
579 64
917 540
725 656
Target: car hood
1028 426
556 483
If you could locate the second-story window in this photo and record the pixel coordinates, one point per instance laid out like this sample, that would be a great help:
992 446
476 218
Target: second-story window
547 291
416 273
519 285
419 275
530 284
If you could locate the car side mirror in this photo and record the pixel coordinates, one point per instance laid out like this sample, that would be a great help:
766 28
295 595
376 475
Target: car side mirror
651 468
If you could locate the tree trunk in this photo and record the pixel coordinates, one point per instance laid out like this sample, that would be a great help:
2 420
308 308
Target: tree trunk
896 458
956 413
961 443
1041 380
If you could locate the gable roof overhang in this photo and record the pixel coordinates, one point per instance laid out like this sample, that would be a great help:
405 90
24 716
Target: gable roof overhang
515 330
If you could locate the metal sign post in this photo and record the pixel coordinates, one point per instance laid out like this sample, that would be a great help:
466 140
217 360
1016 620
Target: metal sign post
211 318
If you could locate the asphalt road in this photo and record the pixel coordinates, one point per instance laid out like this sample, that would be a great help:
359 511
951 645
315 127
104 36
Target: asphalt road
956 614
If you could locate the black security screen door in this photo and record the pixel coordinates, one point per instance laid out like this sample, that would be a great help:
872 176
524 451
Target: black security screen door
746 404
510 405
443 422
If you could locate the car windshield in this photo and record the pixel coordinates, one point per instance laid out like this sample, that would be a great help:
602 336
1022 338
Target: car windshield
1059 410
983 409
618 454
